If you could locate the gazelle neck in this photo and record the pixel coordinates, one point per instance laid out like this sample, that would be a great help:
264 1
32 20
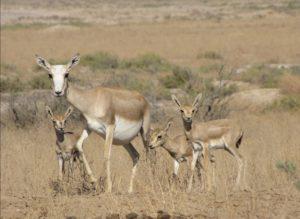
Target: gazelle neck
168 146
187 129
59 135
74 97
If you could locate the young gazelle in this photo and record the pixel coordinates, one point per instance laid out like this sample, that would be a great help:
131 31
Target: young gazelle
217 134
116 115
65 141
178 147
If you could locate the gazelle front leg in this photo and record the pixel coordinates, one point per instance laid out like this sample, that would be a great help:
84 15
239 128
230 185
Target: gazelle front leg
60 166
79 146
206 168
107 152
193 164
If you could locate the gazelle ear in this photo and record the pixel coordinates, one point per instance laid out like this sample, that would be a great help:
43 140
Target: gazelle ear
176 101
42 62
49 111
68 112
74 61
196 102
169 123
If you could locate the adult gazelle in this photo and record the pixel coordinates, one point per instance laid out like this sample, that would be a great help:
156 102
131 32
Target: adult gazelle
216 134
115 114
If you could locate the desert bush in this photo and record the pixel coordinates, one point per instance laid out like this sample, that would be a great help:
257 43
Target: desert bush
18 26
40 82
290 169
129 82
290 84
209 68
8 67
295 70
11 85
262 75
180 77
149 62
100 61
286 166
290 103
209 55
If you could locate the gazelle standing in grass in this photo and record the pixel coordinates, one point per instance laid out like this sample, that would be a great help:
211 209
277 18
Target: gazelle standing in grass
65 141
178 147
115 114
216 134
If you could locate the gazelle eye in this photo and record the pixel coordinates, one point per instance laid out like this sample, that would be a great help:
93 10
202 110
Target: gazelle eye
67 75
193 111
159 137
181 111
50 76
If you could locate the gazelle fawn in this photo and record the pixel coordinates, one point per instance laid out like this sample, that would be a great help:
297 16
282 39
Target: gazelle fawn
65 141
216 134
178 147
116 115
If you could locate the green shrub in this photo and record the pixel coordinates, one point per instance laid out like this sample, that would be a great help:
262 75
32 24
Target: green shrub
209 68
149 62
8 67
11 85
180 76
290 169
40 82
297 184
295 70
100 61
291 102
263 75
286 166
210 55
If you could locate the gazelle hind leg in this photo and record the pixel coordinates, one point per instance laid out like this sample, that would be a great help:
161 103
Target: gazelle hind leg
240 163
107 154
213 169
135 158
79 147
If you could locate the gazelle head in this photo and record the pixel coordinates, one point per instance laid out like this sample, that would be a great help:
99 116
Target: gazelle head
58 73
59 121
188 111
158 137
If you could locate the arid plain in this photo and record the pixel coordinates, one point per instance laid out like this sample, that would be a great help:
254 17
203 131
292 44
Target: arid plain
258 41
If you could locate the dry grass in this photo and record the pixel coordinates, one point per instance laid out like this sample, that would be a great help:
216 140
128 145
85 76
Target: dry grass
199 34
29 166
239 41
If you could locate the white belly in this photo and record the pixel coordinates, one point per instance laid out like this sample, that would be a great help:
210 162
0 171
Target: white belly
217 144
124 132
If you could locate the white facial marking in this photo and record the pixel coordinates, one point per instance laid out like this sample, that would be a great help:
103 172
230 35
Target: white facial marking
58 74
